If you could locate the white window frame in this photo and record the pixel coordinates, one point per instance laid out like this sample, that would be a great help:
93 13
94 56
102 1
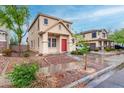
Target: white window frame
51 42
44 21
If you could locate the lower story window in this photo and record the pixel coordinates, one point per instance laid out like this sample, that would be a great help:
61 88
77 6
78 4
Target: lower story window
51 42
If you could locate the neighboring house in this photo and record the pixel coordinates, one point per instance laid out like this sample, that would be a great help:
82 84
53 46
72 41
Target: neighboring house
97 39
50 35
4 39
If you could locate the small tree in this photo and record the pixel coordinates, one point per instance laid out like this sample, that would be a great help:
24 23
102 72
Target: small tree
117 36
15 19
83 47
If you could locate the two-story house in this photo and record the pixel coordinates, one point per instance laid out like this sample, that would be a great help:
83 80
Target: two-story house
50 35
97 39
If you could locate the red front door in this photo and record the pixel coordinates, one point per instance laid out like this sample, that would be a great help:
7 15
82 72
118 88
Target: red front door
64 45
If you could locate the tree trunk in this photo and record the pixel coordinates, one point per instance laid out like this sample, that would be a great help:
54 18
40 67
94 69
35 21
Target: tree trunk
19 49
85 61
19 44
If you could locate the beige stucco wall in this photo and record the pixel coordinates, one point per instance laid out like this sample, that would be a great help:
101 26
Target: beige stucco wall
43 48
64 34
51 22
96 42
54 50
33 36
56 30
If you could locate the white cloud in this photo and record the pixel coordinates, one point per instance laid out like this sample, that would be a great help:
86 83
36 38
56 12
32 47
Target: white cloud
98 13
108 11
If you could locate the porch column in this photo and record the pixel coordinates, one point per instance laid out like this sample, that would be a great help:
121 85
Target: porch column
110 44
44 44
102 45
60 44
69 43
107 44
71 46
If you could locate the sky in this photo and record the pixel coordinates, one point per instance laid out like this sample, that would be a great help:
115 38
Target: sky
84 17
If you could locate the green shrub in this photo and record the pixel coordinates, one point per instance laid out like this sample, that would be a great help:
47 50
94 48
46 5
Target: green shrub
23 75
109 49
74 52
77 52
80 52
96 49
26 54
6 52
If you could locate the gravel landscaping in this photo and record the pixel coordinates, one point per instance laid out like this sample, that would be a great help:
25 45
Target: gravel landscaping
60 78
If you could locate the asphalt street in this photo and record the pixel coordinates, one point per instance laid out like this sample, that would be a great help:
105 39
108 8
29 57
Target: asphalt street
114 81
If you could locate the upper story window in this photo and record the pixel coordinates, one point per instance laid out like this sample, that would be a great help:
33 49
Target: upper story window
67 25
46 21
60 27
93 34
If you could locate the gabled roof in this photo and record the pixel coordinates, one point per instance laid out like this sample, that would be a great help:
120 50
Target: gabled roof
45 15
54 26
94 30
56 18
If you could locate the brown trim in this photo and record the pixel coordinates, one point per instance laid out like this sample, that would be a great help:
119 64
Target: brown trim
44 41
33 22
45 15
38 24
90 31
57 34
98 40
48 17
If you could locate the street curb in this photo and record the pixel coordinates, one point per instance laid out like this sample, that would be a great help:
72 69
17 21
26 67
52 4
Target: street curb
92 76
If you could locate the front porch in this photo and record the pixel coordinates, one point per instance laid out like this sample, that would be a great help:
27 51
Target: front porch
54 43
57 43
105 44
